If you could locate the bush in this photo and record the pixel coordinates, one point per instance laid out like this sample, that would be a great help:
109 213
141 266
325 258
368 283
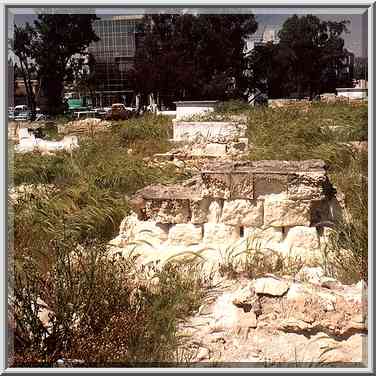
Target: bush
103 313
232 107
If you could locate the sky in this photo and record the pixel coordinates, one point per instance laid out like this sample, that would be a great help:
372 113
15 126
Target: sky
355 40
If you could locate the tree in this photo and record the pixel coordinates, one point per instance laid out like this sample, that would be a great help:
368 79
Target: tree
310 58
59 37
22 48
361 68
183 56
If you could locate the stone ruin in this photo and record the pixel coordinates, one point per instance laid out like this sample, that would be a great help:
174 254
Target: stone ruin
207 139
282 206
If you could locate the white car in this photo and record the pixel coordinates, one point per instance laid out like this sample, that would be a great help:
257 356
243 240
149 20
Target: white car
20 108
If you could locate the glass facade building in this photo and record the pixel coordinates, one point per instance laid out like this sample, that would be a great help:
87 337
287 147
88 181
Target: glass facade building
114 55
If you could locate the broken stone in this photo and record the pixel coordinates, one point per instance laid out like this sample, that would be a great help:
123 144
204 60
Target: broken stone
312 275
282 212
266 184
199 211
219 233
168 211
215 149
214 211
216 185
241 185
301 238
264 237
297 292
244 297
307 186
242 213
271 286
185 234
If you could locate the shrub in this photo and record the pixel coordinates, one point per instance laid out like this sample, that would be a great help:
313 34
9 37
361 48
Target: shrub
102 312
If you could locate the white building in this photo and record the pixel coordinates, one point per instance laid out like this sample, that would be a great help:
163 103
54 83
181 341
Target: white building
269 33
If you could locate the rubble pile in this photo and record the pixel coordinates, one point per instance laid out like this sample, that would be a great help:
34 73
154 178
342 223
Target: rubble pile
87 126
29 143
283 206
281 320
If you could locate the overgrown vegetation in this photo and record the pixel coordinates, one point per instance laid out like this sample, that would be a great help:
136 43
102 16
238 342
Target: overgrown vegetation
324 131
103 311
60 226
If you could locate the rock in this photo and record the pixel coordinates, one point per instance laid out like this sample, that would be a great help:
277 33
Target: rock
246 320
229 317
244 297
282 212
132 229
168 211
199 211
271 286
219 234
301 241
185 234
242 213
215 149
178 163
264 237
297 292
214 211
294 325
330 283
203 354
307 186
312 275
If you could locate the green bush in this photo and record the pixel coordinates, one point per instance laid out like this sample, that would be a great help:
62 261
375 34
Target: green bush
147 127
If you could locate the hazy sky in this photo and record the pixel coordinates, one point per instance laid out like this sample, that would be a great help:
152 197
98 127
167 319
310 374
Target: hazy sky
355 40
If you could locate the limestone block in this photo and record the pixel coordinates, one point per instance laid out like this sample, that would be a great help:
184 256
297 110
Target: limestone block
199 210
215 149
242 213
271 286
149 231
168 211
308 185
229 317
301 237
132 229
241 185
280 211
185 234
237 147
266 184
214 211
264 237
219 233
216 185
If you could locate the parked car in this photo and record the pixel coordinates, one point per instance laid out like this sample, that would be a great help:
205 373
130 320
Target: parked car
10 114
118 112
22 116
20 109
101 112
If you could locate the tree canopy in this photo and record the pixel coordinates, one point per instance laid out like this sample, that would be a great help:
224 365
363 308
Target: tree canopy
308 59
50 44
183 56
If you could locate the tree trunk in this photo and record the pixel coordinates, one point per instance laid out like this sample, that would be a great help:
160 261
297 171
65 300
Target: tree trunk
31 103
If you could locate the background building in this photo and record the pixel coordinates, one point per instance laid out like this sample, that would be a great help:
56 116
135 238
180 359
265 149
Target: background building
268 33
114 55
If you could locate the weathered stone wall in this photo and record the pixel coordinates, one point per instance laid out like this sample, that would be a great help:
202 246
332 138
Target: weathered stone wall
277 205
211 131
